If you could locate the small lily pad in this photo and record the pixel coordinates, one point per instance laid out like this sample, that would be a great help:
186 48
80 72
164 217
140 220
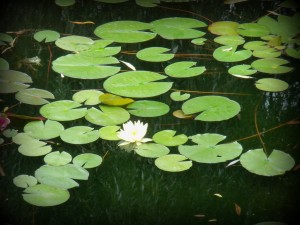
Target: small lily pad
277 163
4 65
34 148
242 71
58 158
252 30
271 84
148 108
177 96
109 133
107 116
79 135
46 36
267 53
212 108
63 110
256 45
24 181
199 41
155 54
168 138
151 150
12 81
45 195
87 160
184 69
173 163
43 131
74 43
114 100
230 40
224 28
87 97
229 54
34 96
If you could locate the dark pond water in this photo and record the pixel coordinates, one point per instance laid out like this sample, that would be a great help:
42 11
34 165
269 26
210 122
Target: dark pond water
127 189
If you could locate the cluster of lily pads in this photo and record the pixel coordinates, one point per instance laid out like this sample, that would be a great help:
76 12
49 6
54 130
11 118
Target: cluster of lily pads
126 95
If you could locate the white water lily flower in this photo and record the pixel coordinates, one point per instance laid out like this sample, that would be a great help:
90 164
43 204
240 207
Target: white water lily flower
132 135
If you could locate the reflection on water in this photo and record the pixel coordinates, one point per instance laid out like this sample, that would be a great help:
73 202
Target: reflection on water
127 189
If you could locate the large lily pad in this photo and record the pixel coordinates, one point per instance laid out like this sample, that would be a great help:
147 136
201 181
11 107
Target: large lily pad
63 110
271 84
12 81
151 150
61 176
155 54
74 43
271 65
178 28
224 28
229 54
85 67
45 195
211 108
148 108
107 116
43 131
34 96
137 84
125 31
168 138
79 135
184 69
277 163
208 150
173 163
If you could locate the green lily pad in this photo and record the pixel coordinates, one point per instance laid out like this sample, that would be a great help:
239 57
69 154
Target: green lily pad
109 133
224 28
34 148
256 45
229 54
6 38
252 30
212 108
107 116
114 100
184 69
173 163
151 150
4 65
177 96
271 65
147 3
155 54
23 138
34 96
84 67
12 81
271 84
87 97
58 158
63 110
148 108
208 150
100 49
74 43
24 181
125 31
199 41
242 71
230 40
61 176
293 53
277 163
39 130
9 133
178 28
46 36
87 160
137 84
45 195
168 138
79 135
267 53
